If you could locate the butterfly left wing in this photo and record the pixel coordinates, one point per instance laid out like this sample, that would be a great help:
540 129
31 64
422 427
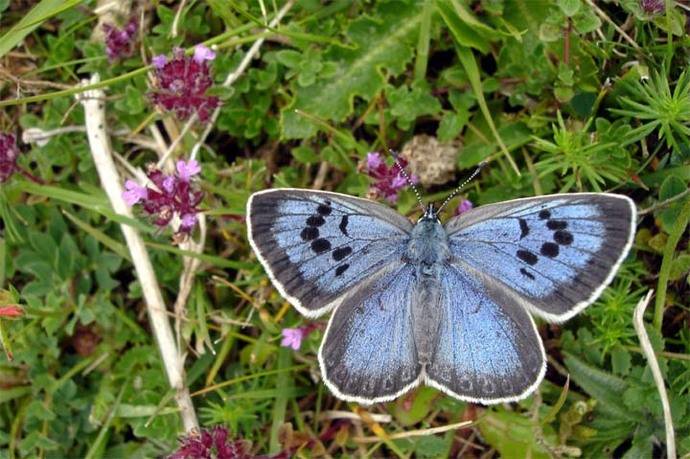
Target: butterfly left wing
554 254
315 245
368 352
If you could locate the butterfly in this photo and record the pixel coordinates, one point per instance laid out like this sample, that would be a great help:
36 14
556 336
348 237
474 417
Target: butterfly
447 305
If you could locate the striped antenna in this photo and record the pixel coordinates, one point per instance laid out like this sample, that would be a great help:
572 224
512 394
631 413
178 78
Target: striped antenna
409 180
462 185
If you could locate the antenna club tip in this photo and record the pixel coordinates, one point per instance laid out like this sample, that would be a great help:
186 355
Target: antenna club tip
482 164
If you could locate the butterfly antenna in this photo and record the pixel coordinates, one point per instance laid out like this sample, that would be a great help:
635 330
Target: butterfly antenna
462 185
408 179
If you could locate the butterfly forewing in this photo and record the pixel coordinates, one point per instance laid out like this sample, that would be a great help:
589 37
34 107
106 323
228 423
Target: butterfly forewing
316 245
555 253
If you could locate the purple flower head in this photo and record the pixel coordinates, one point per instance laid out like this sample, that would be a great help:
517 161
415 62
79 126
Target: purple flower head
181 85
171 195
464 206
388 180
119 42
216 443
203 53
187 170
211 444
8 156
653 6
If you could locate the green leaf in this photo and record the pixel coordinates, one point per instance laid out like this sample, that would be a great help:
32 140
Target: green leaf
464 34
31 20
512 435
587 21
383 43
470 64
569 7
679 267
411 409
604 387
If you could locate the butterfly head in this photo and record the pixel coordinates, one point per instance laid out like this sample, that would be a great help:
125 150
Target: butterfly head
430 214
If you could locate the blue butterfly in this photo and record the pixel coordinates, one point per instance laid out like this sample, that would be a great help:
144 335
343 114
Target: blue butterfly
444 305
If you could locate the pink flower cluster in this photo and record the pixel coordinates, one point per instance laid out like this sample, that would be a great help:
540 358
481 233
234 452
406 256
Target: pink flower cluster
119 42
8 156
215 443
173 195
182 82
389 180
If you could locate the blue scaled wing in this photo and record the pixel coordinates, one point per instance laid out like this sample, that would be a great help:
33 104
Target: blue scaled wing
315 245
368 353
488 349
553 254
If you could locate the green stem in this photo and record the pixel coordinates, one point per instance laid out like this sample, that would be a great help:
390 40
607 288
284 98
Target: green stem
674 236
280 405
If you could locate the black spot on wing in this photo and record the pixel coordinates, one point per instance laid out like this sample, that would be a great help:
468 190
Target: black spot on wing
556 224
563 237
309 233
527 256
343 225
526 273
341 269
315 220
524 229
544 214
324 209
549 249
321 245
341 252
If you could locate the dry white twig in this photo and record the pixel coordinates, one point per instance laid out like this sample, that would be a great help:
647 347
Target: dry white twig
656 373
101 150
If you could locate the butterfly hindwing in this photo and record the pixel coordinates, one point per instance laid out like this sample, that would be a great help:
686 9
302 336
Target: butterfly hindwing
368 353
554 253
316 245
487 349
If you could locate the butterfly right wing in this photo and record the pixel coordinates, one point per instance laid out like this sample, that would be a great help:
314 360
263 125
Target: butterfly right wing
316 245
488 349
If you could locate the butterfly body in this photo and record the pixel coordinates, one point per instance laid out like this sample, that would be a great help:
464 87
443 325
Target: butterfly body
447 305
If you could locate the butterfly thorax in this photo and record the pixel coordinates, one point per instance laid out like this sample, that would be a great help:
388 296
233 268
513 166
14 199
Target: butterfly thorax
428 247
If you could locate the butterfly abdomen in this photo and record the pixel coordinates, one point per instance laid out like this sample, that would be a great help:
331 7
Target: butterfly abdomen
428 252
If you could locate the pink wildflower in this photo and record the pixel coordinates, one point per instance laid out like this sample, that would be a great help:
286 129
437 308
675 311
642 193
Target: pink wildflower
203 53
186 170
388 179
173 195
133 193
182 82
11 311
8 156
464 206
159 61
119 42
293 337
